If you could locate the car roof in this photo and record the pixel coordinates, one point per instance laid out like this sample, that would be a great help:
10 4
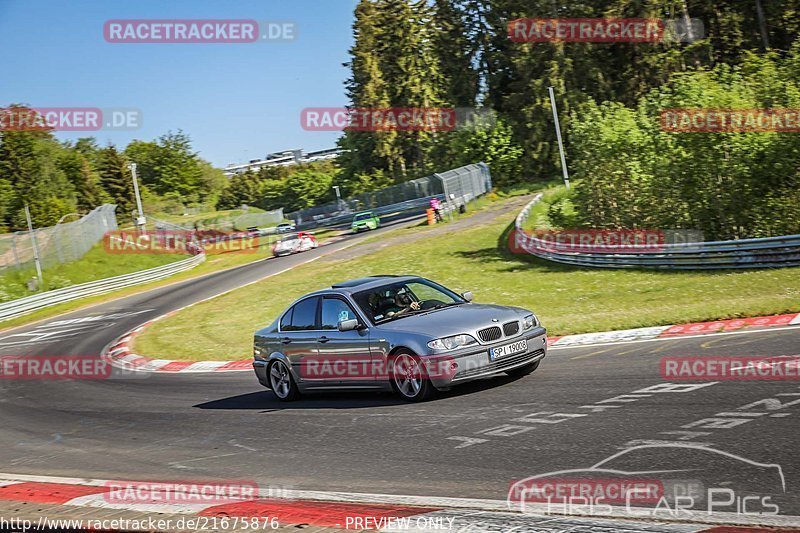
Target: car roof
366 283
364 213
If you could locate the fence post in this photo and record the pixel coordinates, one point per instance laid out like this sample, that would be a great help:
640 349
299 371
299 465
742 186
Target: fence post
14 249
35 248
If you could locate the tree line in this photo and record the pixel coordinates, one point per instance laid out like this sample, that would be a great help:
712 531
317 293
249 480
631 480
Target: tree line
57 178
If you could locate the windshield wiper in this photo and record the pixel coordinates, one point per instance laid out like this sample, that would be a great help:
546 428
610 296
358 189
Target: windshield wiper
442 306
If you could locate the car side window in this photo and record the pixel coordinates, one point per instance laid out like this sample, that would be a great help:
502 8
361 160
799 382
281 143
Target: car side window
286 321
334 310
304 315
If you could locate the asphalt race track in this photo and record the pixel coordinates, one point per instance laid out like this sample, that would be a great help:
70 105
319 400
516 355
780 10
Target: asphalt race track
582 405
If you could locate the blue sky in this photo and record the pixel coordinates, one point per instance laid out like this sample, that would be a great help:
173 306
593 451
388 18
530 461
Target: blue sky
236 101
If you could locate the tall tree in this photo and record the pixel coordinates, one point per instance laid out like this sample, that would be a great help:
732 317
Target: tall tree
116 179
455 53
84 178
394 64
30 174
365 88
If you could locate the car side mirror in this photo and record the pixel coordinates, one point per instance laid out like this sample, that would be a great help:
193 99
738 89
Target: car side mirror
467 295
348 325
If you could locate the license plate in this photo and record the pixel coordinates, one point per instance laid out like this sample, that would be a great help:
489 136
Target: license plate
508 349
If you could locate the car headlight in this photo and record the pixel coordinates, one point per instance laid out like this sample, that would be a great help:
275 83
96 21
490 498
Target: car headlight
451 343
529 321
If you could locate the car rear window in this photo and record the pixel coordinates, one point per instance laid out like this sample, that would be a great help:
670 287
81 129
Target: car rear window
286 321
304 315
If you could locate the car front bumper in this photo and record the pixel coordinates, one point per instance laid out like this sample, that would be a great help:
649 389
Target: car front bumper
475 363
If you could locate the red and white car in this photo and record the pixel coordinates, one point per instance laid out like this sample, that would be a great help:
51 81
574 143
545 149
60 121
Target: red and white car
294 243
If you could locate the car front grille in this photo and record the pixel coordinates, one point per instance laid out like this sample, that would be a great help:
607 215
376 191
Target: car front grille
490 334
511 328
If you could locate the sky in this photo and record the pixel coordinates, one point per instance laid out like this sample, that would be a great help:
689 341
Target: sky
237 102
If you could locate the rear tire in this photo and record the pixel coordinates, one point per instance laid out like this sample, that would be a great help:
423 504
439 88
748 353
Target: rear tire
523 370
408 377
281 382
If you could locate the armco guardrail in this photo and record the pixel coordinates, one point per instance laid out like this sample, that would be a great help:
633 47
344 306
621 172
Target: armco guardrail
23 306
769 252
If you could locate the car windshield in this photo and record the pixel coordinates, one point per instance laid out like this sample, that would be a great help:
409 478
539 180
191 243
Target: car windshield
401 299
290 238
363 216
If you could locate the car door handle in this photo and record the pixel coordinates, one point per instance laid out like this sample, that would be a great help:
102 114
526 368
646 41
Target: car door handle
323 339
286 340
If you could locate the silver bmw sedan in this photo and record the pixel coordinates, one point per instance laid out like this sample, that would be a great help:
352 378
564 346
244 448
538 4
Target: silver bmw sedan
403 333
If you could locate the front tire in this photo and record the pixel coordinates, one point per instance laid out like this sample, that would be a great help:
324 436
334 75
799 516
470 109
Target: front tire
409 379
523 370
281 382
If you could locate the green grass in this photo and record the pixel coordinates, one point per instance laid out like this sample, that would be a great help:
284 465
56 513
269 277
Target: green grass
567 299
204 215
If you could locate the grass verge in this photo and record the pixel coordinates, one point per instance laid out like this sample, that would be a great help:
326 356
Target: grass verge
567 299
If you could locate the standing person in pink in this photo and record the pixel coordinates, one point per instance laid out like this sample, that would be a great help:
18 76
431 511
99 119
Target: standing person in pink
436 206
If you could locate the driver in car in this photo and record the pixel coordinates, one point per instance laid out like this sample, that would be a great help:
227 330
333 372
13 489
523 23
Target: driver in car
403 303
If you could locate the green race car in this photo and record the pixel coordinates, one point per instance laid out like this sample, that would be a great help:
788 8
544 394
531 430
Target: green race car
365 221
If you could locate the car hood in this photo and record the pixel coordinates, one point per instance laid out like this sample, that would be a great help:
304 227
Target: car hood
463 318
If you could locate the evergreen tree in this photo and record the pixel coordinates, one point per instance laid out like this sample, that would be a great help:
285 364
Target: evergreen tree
115 177
365 88
455 54
84 179
394 64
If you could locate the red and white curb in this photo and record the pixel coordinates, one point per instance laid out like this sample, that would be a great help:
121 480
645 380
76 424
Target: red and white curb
119 353
381 512
678 330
